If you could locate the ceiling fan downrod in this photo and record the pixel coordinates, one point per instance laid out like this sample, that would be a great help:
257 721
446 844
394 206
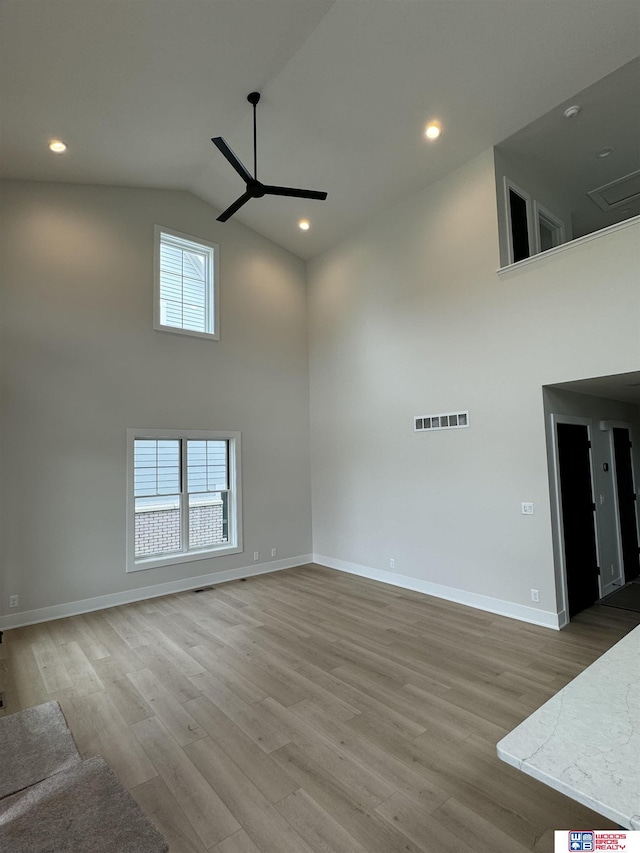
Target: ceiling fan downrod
254 99
254 187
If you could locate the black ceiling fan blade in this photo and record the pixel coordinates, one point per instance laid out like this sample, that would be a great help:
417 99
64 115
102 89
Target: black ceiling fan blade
222 146
295 193
237 204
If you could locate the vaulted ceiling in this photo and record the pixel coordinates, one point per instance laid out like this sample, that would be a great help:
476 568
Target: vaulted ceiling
136 88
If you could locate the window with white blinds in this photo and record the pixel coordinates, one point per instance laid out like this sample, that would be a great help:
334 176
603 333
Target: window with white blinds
186 284
183 496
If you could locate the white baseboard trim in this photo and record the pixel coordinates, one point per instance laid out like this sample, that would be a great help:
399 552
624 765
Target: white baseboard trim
101 602
481 602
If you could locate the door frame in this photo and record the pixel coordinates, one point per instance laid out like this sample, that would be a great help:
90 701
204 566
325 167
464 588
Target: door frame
563 615
614 481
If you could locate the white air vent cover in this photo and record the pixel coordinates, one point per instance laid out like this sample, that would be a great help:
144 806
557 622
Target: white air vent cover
452 420
615 194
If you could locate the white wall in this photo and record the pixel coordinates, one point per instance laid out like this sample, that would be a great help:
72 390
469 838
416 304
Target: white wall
81 363
409 317
596 409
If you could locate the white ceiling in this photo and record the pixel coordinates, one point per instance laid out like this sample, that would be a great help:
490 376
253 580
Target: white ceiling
138 87
563 152
624 387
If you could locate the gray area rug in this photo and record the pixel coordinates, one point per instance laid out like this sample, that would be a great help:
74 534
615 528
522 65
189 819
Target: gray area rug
81 810
34 744
627 598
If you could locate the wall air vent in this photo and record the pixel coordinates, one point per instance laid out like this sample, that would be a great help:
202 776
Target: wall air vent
617 193
452 420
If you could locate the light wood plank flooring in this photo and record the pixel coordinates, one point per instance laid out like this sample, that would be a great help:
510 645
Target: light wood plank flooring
310 710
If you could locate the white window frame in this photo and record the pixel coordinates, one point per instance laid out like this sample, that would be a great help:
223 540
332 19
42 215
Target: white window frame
555 225
531 235
213 296
233 546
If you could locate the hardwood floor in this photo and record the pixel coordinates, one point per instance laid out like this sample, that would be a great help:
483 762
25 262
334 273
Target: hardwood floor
310 710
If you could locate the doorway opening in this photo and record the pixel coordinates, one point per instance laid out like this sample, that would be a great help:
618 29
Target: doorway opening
593 441
576 510
626 502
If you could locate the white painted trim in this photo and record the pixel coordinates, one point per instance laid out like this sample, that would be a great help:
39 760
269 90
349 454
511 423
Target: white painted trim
557 225
102 602
213 297
616 504
621 579
481 602
176 330
579 241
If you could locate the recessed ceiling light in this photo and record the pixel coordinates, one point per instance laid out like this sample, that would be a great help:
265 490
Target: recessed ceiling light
304 225
57 146
572 112
604 153
432 130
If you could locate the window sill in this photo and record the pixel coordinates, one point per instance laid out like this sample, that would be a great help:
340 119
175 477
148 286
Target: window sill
563 247
178 559
176 330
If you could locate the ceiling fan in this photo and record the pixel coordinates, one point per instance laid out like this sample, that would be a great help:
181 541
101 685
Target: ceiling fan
256 189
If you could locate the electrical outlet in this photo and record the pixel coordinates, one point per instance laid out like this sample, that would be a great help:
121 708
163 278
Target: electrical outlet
274 552
392 563
535 595
14 600
527 508
256 555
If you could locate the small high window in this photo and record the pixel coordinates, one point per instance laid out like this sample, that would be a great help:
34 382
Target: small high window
186 284
184 499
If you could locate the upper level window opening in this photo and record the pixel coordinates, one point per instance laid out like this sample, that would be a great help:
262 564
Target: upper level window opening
186 284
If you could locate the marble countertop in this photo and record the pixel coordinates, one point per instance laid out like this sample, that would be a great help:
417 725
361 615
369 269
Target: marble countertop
585 741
